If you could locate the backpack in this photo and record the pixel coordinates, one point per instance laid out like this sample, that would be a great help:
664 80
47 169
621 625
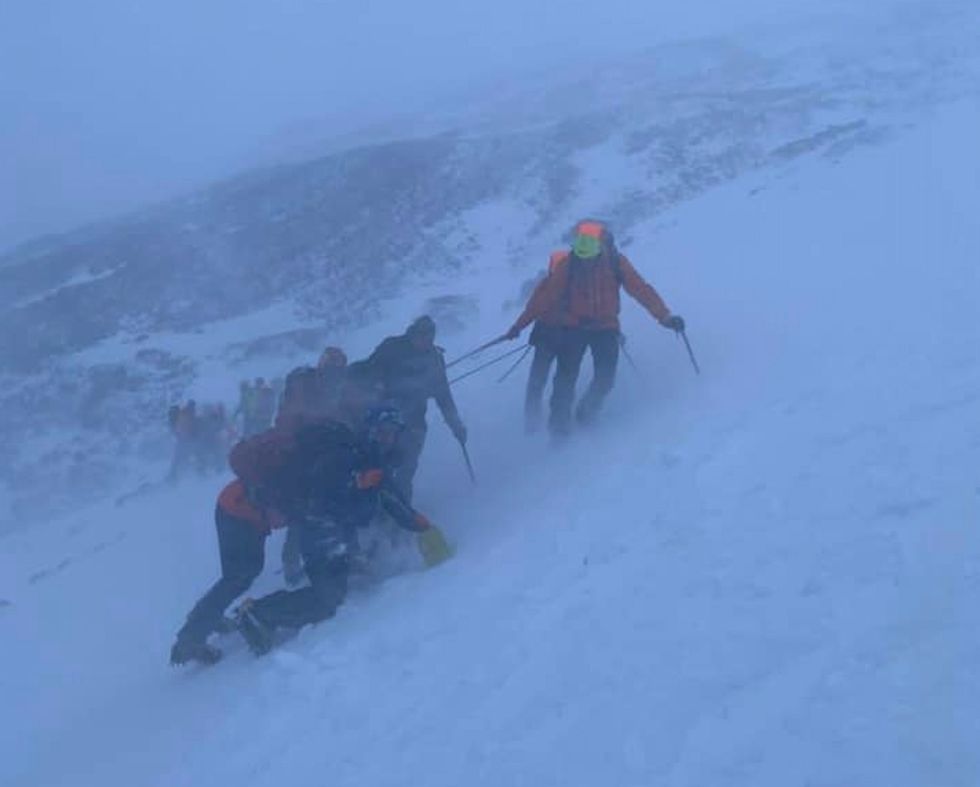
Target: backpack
259 460
574 268
296 471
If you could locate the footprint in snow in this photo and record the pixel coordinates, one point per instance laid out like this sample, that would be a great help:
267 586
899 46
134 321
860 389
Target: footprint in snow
37 576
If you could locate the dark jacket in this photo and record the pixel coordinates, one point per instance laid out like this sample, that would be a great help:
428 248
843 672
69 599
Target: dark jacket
316 471
410 377
310 395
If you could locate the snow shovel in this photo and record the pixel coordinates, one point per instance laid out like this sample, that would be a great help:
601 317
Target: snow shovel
433 546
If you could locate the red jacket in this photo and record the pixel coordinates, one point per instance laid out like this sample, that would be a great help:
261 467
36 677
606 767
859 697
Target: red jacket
585 293
267 475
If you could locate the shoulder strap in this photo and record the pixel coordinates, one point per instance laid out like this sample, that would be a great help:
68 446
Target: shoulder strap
563 257
617 266
556 259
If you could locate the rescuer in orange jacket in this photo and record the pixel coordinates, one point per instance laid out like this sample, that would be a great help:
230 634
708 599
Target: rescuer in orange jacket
581 295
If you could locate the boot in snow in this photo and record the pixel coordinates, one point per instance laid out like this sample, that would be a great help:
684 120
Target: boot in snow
185 651
256 633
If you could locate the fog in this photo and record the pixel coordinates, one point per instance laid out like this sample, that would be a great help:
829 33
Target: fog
754 574
106 105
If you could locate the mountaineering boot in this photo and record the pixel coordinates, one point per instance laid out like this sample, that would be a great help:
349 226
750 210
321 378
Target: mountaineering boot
185 651
256 633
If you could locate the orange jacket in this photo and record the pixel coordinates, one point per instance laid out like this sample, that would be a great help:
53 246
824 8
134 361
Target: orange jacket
234 500
585 294
553 315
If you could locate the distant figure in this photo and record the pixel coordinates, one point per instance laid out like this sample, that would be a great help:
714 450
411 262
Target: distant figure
173 413
263 408
184 426
241 413
212 439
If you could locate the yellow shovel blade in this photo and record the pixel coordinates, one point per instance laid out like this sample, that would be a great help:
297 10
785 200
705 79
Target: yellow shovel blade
433 547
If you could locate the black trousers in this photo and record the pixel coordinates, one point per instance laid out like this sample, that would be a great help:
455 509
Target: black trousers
410 445
292 557
545 339
242 550
604 345
326 548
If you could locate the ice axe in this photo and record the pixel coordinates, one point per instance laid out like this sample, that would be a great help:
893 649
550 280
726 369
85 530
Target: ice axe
469 464
683 334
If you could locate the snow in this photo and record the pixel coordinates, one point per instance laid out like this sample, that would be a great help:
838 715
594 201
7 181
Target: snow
765 575
75 280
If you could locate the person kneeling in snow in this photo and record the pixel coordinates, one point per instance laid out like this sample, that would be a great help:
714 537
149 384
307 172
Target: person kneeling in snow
351 485
316 474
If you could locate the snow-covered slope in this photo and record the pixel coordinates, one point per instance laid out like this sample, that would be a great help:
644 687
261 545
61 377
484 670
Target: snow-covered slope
764 576
101 329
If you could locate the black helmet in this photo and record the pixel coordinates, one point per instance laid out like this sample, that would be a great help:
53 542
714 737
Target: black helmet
423 326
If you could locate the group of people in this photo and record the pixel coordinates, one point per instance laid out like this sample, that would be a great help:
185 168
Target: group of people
344 447
347 439
202 438
256 406
203 435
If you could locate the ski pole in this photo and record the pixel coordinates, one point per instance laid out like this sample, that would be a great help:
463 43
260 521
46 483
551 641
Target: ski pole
477 351
469 464
516 363
483 366
690 352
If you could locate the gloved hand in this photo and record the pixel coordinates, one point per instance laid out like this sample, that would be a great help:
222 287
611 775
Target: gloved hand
675 322
512 333
459 430
433 546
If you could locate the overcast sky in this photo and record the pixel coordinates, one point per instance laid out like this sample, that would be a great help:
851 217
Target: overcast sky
108 104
